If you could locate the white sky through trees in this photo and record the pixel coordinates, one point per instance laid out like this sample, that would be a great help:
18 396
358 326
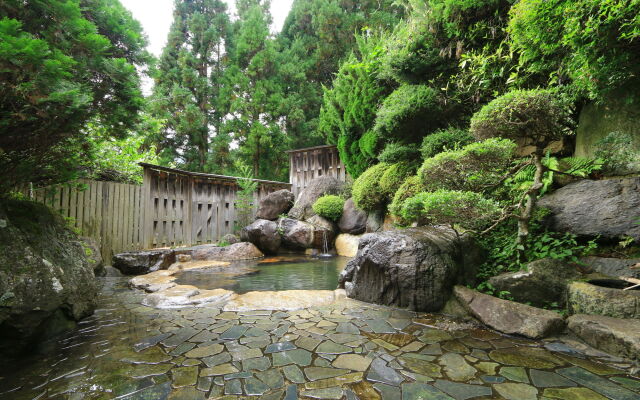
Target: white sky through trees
156 17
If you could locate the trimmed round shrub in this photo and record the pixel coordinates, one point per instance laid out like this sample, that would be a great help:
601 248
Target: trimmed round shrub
394 176
540 116
409 112
367 193
409 188
475 167
467 210
445 139
397 152
329 207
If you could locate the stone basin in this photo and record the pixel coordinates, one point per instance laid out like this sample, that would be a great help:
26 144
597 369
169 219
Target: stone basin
597 297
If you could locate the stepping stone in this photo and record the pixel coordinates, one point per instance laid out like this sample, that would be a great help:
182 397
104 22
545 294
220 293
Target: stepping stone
151 341
256 364
206 351
544 379
572 394
422 391
181 349
456 368
298 356
633 384
234 332
330 347
238 375
516 391
597 383
517 374
462 391
243 354
388 392
223 369
347 327
272 377
145 370
276 347
291 393
153 355
217 359
307 343
529 357
254 387
233 387
187 393
380 372
204 384
338 381
380 326
315 373
153 392
294 374
184 376
180 336
492 379
352 361
328 393
255 332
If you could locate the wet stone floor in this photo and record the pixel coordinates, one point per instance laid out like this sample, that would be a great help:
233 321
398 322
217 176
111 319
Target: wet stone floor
349 350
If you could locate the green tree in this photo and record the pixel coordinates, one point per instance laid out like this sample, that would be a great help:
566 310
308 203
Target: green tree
254 80
189 91
63 63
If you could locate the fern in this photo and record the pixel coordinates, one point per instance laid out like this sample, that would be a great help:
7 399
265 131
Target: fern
576 166
579 166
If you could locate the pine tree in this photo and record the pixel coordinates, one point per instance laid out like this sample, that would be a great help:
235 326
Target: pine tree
255 120
189 90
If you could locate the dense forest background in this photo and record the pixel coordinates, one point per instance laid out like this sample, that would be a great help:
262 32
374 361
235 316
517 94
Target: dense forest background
377 78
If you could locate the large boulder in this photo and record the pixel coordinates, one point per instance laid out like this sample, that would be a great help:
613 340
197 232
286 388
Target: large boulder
143 262
296 234
593 298
508 316
607 208
613 335
543 282
613 267
264 234
94 256
46 280
302 209
353 220
414 268
347 245
275 204
209 252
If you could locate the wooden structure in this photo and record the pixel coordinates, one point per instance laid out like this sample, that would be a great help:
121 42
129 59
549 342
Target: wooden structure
171 208
310 163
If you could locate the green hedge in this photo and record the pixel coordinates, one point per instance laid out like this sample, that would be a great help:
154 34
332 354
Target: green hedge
329 207
367 192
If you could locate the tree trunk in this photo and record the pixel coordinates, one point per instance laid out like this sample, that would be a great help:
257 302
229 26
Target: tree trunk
530 205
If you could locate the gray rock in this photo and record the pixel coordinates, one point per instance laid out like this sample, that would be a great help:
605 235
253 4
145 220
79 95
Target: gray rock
296 234
275 204
46 279
211 252
230 239
353 220
375 222
586 298
94 256
544 282
143 262
324 231
302 209
613 267
612 335
264 234
607 208
413 268
508 316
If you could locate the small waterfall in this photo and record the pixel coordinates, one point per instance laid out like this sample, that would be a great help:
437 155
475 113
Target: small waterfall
325 246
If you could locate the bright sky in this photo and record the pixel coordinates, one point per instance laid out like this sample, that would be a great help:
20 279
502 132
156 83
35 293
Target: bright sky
156 17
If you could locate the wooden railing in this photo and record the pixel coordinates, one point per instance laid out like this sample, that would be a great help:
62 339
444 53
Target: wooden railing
310 163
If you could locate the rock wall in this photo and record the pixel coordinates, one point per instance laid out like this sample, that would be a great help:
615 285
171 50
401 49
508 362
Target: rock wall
45 274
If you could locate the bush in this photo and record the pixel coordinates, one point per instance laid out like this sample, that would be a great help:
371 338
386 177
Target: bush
468 210
397 152
394 176
445 139
617 152
475 167
409 188
329 207
540 116
367 192
408 113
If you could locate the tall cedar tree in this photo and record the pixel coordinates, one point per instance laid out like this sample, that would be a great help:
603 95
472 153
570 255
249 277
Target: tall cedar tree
255 119
63 63
189 91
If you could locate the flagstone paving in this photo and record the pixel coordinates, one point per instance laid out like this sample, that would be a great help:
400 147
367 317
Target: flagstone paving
345 350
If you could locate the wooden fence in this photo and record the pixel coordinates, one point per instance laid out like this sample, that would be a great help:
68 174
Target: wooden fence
310 163
171 208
